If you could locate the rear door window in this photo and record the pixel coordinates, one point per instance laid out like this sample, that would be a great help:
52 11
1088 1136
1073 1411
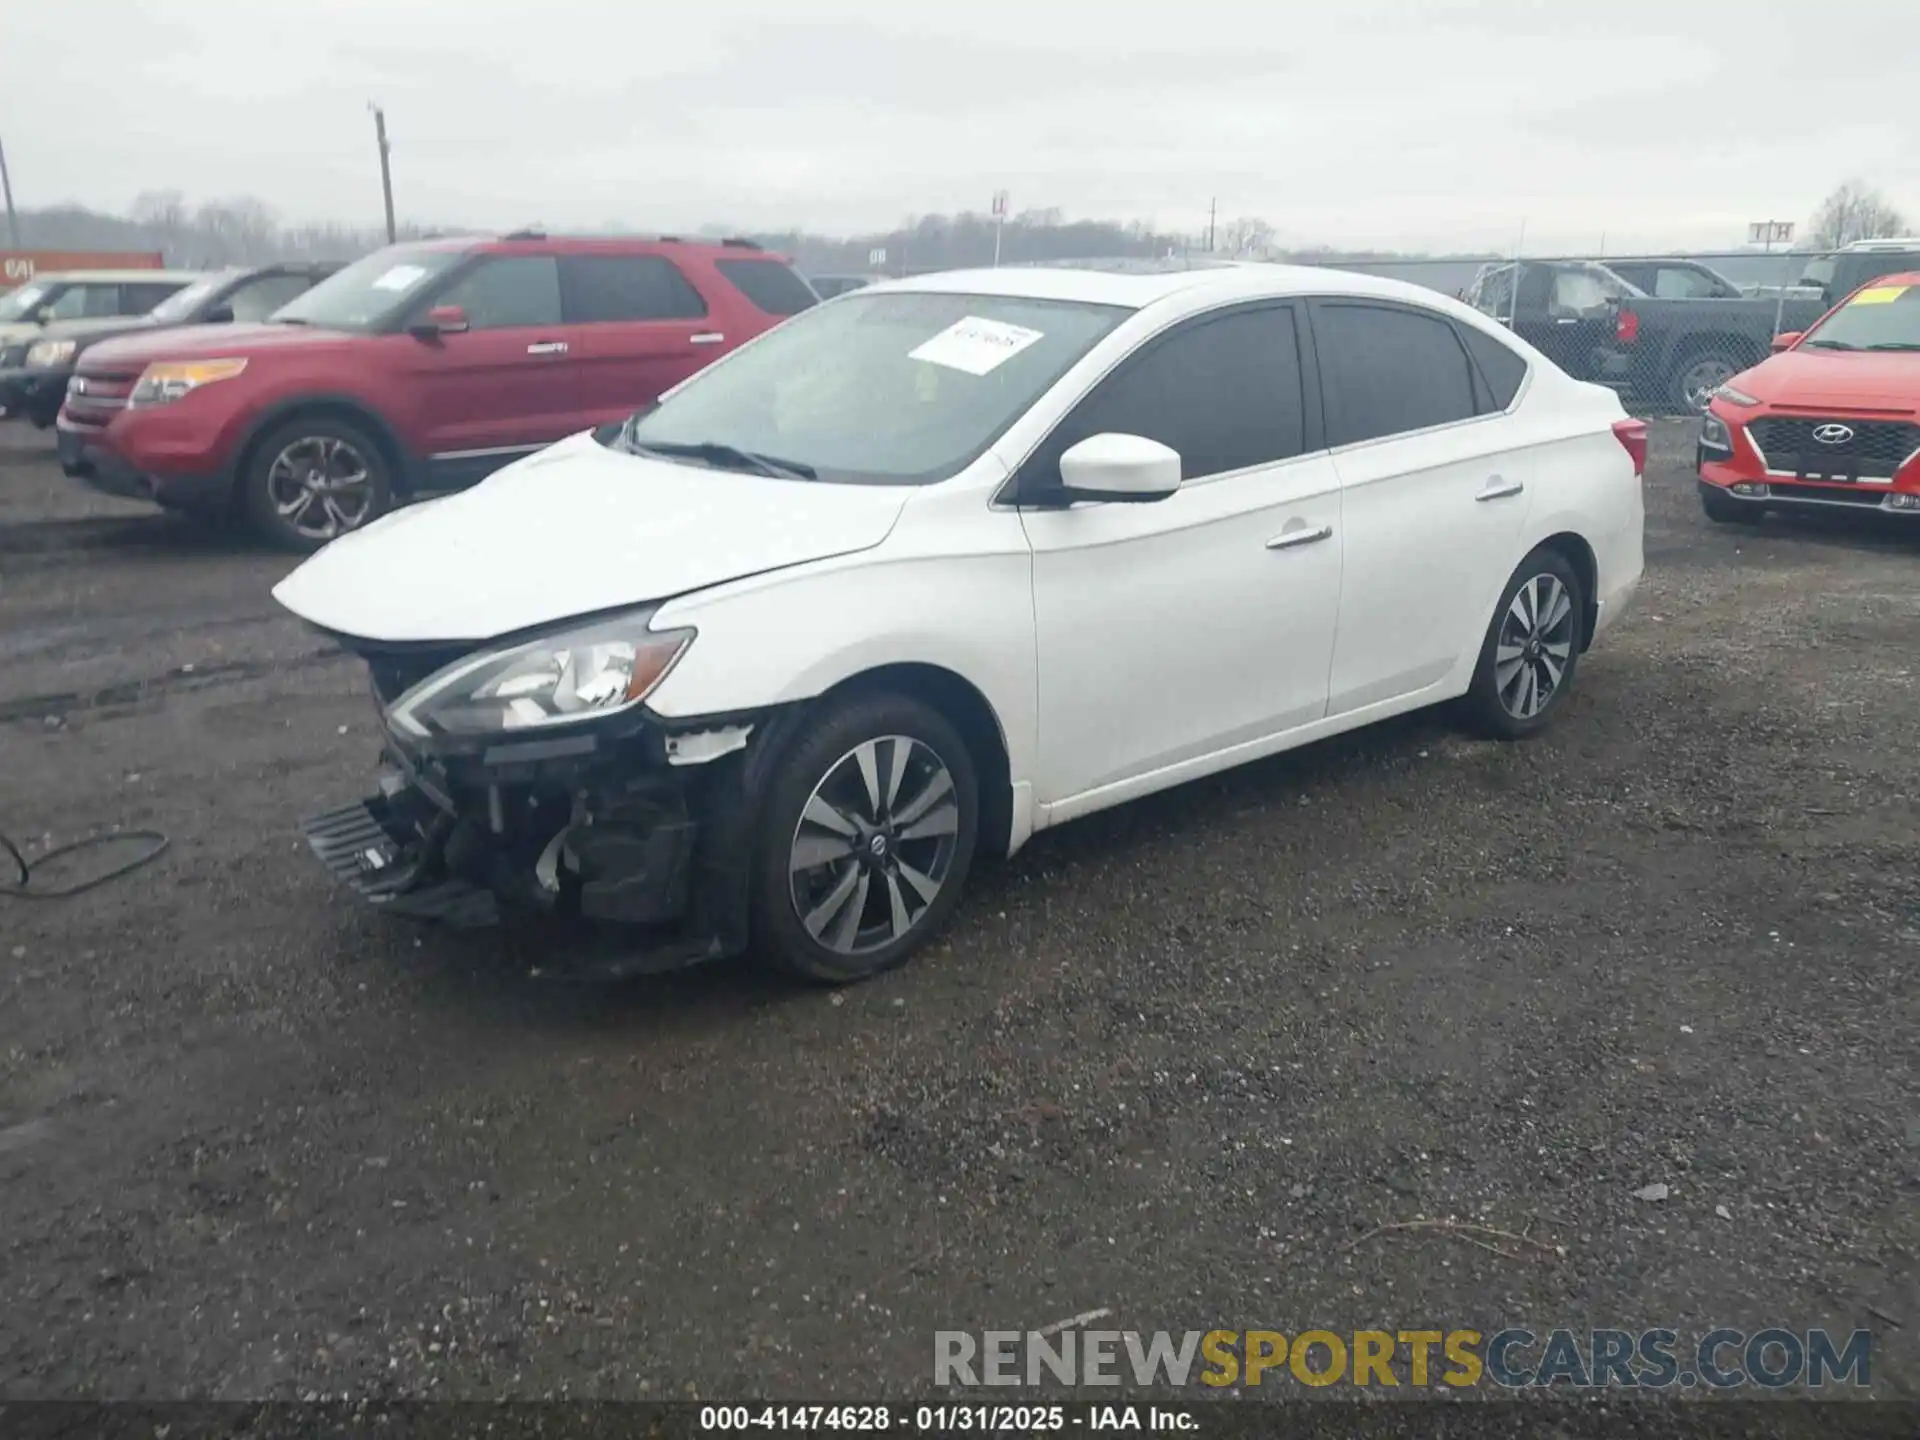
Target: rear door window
603 288
1389 371
1499 364
771 286
139 299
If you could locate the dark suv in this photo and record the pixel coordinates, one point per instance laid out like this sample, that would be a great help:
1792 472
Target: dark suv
36 386
423 367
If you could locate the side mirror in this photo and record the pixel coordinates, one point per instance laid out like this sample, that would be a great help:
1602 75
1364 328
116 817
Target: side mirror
440 320
219 315
1786 340
43 316
1123 468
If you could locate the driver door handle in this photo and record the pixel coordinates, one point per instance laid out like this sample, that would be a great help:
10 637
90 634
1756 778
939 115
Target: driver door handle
548 347
1288 539
1498 489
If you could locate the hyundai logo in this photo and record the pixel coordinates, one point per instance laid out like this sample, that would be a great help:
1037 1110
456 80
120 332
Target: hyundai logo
1833 434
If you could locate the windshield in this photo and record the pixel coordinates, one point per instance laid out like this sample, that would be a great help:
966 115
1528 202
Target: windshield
182 303
370 290
1880 317
22 302
875 389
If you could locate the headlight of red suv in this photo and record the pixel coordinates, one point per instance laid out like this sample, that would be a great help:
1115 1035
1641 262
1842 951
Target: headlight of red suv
163 383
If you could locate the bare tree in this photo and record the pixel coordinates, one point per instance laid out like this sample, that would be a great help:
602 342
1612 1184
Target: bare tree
1249 235
1855 211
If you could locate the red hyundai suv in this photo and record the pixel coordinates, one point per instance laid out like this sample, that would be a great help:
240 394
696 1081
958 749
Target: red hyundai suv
1831 420
421 368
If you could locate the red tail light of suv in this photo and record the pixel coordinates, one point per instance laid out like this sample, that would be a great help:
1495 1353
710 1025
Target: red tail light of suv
423 367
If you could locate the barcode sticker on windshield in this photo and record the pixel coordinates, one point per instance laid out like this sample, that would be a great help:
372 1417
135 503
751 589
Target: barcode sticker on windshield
1881 294
975 345
400 277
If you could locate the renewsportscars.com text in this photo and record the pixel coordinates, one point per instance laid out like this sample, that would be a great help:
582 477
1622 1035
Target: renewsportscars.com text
1513 1358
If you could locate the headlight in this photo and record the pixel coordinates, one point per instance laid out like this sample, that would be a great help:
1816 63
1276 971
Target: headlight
1734 397
162 384
577 675
48 353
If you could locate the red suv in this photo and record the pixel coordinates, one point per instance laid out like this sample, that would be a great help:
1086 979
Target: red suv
420 368
1832 420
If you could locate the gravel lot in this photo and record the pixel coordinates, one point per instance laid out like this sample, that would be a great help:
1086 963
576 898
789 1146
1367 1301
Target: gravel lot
256 1143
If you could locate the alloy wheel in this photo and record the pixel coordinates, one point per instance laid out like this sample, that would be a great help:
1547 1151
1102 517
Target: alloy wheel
1702 379
320 487
875 844
1535 646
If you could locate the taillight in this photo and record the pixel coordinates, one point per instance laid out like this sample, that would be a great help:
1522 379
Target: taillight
1633 435
1626 327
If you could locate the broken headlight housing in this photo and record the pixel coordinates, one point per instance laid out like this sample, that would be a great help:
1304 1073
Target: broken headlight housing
560 679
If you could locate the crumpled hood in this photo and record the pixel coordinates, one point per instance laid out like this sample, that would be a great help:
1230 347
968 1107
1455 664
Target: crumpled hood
1848 381
574 530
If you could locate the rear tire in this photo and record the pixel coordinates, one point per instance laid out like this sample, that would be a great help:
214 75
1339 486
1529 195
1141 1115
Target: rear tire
1698 375
867 834
313 480
1722 509
1531 650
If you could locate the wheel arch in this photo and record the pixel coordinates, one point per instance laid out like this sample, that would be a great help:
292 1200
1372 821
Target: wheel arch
347 409
1575 550
968 711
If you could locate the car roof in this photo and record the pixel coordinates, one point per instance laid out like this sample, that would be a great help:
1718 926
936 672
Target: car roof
119 277
1224 280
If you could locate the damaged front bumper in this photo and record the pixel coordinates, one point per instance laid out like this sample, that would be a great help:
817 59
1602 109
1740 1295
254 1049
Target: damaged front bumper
642 825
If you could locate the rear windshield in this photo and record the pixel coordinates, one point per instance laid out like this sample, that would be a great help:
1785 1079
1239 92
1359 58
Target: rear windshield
771 286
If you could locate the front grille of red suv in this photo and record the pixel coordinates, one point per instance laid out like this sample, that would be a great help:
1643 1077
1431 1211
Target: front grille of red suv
1876 447
95 397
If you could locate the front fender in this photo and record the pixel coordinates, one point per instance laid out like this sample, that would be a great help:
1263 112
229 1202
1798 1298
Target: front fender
794 635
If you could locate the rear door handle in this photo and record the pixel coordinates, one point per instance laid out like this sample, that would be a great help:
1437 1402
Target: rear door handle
710 337
1288 539
1498 489
548 347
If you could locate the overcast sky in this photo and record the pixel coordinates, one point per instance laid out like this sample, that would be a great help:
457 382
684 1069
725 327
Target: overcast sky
1355 122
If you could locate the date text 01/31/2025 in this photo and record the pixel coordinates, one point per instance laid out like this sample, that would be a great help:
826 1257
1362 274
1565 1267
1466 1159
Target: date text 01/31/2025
944 1419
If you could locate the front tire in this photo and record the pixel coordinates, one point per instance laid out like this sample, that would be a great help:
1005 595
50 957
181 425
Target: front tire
1531 650
313 480
867 835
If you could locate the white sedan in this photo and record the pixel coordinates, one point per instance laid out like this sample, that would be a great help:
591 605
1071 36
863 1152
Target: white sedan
944 562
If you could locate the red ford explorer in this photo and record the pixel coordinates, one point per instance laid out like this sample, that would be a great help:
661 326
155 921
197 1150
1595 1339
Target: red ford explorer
420 368
1832 420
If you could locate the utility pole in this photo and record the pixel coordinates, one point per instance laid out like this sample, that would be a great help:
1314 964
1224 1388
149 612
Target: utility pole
1213 211
6 186
386 169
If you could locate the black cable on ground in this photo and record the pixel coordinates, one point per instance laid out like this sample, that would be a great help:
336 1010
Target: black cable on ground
22 889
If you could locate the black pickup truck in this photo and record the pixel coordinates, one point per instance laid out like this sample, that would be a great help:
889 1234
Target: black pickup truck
1674 353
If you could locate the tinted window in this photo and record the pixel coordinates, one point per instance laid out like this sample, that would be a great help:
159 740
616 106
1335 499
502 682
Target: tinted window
258 299
509 292
771 286
1500 367
139 299
627 287
1389 371
78 301
1224 392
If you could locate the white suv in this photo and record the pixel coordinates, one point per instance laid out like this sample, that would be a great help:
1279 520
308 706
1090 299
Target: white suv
947 561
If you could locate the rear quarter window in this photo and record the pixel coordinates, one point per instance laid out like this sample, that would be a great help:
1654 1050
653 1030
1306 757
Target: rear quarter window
771 286
1500 366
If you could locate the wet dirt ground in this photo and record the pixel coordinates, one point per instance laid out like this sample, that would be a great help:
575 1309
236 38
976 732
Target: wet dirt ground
1174 1062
